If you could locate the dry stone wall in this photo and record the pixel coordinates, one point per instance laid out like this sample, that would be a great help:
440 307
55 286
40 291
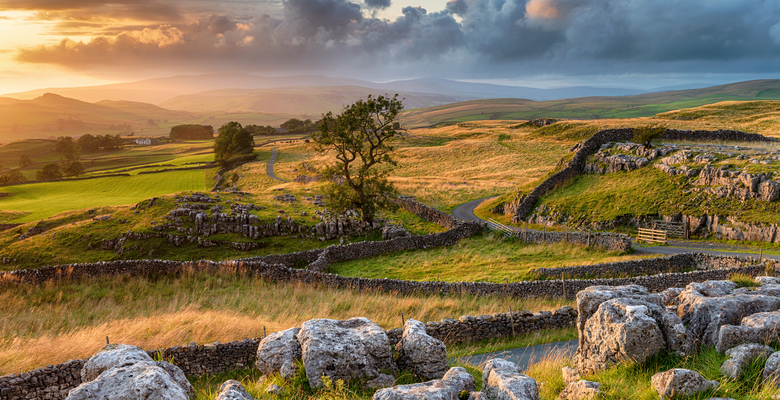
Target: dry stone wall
604 240
668 264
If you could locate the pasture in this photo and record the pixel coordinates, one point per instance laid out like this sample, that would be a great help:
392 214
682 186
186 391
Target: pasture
45 199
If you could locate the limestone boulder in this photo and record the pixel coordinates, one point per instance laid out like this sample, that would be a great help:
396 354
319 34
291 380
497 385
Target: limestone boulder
581 390
233 390
347 350
503 380
771 372
278 352
769 191
570 375
761 327
767 280
449 387
625 329
177 375
741 356
111 356
142 380
420 353
708 314
680 381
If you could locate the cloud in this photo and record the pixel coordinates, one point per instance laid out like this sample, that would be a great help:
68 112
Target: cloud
489 37
377 4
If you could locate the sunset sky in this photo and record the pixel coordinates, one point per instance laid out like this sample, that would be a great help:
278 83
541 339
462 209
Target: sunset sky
629 43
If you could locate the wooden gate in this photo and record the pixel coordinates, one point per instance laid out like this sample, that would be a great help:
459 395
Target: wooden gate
651 235
673 229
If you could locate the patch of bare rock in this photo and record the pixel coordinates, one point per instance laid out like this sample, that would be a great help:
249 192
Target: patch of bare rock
629 324
123 372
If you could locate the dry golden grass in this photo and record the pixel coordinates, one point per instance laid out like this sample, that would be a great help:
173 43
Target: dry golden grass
49 324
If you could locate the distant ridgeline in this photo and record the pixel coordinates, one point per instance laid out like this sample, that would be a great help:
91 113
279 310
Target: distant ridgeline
192 132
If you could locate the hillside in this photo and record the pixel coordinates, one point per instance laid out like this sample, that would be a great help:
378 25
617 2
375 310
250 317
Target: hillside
643 105
52 115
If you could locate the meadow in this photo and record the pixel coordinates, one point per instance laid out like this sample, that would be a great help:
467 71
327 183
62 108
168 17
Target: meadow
486 258
43 200
71 320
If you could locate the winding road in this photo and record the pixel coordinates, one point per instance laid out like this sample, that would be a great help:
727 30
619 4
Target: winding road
269 169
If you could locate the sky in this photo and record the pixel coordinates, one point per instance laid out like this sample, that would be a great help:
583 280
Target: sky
539 43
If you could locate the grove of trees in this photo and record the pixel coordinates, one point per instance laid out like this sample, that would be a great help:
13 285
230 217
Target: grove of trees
294 125
11 177
192 132
90 143
258 130
362 139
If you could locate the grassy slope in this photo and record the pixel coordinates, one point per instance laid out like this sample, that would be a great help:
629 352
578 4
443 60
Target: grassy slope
71 320
481 258
591 107
46 199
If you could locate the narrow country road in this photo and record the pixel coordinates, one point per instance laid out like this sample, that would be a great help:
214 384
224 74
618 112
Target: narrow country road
465 212
269 169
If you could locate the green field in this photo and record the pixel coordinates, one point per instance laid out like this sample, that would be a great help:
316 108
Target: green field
43 200
475 259
644 105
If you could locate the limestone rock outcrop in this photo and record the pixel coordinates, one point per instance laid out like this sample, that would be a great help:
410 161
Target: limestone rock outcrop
625 323
233 390
420 353
680 381
503 380
581 390
455 381
128 373
278 352
763 327
347 350
741 356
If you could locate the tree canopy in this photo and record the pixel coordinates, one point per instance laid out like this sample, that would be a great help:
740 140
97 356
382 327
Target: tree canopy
294 125
11 177
49 172
192 132
234 143
362 139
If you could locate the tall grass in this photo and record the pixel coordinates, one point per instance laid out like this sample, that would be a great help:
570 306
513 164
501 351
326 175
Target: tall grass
51 323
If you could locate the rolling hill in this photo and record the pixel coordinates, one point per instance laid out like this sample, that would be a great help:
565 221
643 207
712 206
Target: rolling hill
52 115
643 105
161 90
291 100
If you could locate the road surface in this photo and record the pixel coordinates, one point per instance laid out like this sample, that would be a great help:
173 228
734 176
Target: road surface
269 169
523 356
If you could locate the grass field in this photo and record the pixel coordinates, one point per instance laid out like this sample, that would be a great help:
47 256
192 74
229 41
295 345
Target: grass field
71 320
476 259
590 108
43 200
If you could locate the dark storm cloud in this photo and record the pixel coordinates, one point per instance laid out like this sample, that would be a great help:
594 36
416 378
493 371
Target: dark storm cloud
482 36
377 4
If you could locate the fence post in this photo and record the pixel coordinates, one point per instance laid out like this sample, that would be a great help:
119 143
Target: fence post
402 320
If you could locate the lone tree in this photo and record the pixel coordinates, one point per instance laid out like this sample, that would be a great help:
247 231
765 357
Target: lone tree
48 172
362 137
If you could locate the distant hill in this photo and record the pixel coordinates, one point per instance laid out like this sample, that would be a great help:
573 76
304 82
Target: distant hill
160 90
643 105
292 100
52 115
